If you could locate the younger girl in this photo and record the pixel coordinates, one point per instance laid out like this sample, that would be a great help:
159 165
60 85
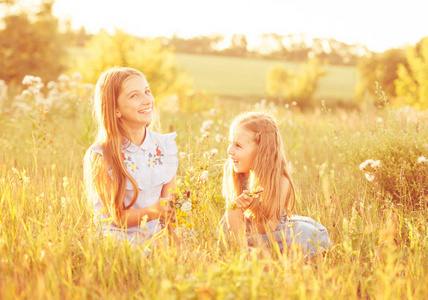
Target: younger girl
257 163
129 169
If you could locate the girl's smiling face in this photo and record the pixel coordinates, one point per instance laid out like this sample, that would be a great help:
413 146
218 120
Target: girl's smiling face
242 149
135 103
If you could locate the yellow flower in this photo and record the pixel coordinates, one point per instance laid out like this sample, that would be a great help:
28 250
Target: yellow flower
133 166
156 142
150 163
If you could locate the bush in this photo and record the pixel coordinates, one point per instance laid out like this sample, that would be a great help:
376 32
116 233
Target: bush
295 87
148 56
412 82
392 157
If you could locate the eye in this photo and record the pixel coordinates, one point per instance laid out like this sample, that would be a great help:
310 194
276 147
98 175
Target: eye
134 96
148 92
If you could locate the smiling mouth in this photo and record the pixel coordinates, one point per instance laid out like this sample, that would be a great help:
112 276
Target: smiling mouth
143 111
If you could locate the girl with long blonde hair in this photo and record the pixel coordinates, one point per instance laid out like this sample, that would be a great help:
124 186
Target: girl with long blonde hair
129 168
259 191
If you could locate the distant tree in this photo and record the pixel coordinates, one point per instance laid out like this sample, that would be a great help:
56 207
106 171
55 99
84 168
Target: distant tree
238 45
287 86
381 68
198 44
31 45
148 56
412 81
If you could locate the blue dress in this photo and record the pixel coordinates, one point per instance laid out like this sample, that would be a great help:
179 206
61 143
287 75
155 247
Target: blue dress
309 236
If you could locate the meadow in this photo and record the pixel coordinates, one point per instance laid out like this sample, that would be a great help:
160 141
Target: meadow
246 77
50 247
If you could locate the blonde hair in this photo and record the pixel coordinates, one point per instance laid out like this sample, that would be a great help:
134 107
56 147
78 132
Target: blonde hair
106 175
268 169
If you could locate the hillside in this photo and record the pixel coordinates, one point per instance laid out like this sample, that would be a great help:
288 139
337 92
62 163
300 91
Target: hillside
241 77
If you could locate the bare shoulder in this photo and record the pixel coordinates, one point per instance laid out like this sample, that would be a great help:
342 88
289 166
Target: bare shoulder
286 189
285 183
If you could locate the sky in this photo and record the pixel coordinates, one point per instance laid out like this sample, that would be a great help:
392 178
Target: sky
377 24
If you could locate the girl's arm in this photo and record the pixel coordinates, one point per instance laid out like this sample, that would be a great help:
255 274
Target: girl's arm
235 217
133 217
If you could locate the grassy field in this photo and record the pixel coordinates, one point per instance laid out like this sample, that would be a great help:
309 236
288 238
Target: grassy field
50 247
246 77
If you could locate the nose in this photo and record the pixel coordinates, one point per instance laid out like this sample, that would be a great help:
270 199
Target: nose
230 150
148 99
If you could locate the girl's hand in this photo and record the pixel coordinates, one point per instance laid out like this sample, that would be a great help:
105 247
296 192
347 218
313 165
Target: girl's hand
244 201
164 208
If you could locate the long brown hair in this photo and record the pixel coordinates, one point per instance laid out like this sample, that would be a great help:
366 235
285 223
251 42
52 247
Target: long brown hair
106 175
269 167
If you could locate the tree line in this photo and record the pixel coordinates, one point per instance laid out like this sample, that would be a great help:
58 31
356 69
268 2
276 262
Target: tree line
32 44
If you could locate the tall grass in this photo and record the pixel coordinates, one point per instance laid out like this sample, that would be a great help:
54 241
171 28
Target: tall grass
50 248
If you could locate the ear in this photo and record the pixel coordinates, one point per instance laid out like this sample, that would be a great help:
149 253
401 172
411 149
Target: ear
118 114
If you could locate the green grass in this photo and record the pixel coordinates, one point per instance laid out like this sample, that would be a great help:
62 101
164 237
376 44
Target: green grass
246 77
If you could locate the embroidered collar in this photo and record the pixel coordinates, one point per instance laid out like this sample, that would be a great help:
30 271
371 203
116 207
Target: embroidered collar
130 147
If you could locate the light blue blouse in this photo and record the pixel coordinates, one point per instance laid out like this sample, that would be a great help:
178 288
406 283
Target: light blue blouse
152 164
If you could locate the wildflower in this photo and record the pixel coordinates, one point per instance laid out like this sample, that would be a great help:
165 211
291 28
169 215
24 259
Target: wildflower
294 103
26 93
204 176
39 85
182 155
52 85
206 126
65 182
187 206
64 78
379 120
218 137
28 80
206 134
42 254
287 105
25 179
214 151
213 112
64 202
256 192
77 76
369 176
88 86
375 164
422 160
143 222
